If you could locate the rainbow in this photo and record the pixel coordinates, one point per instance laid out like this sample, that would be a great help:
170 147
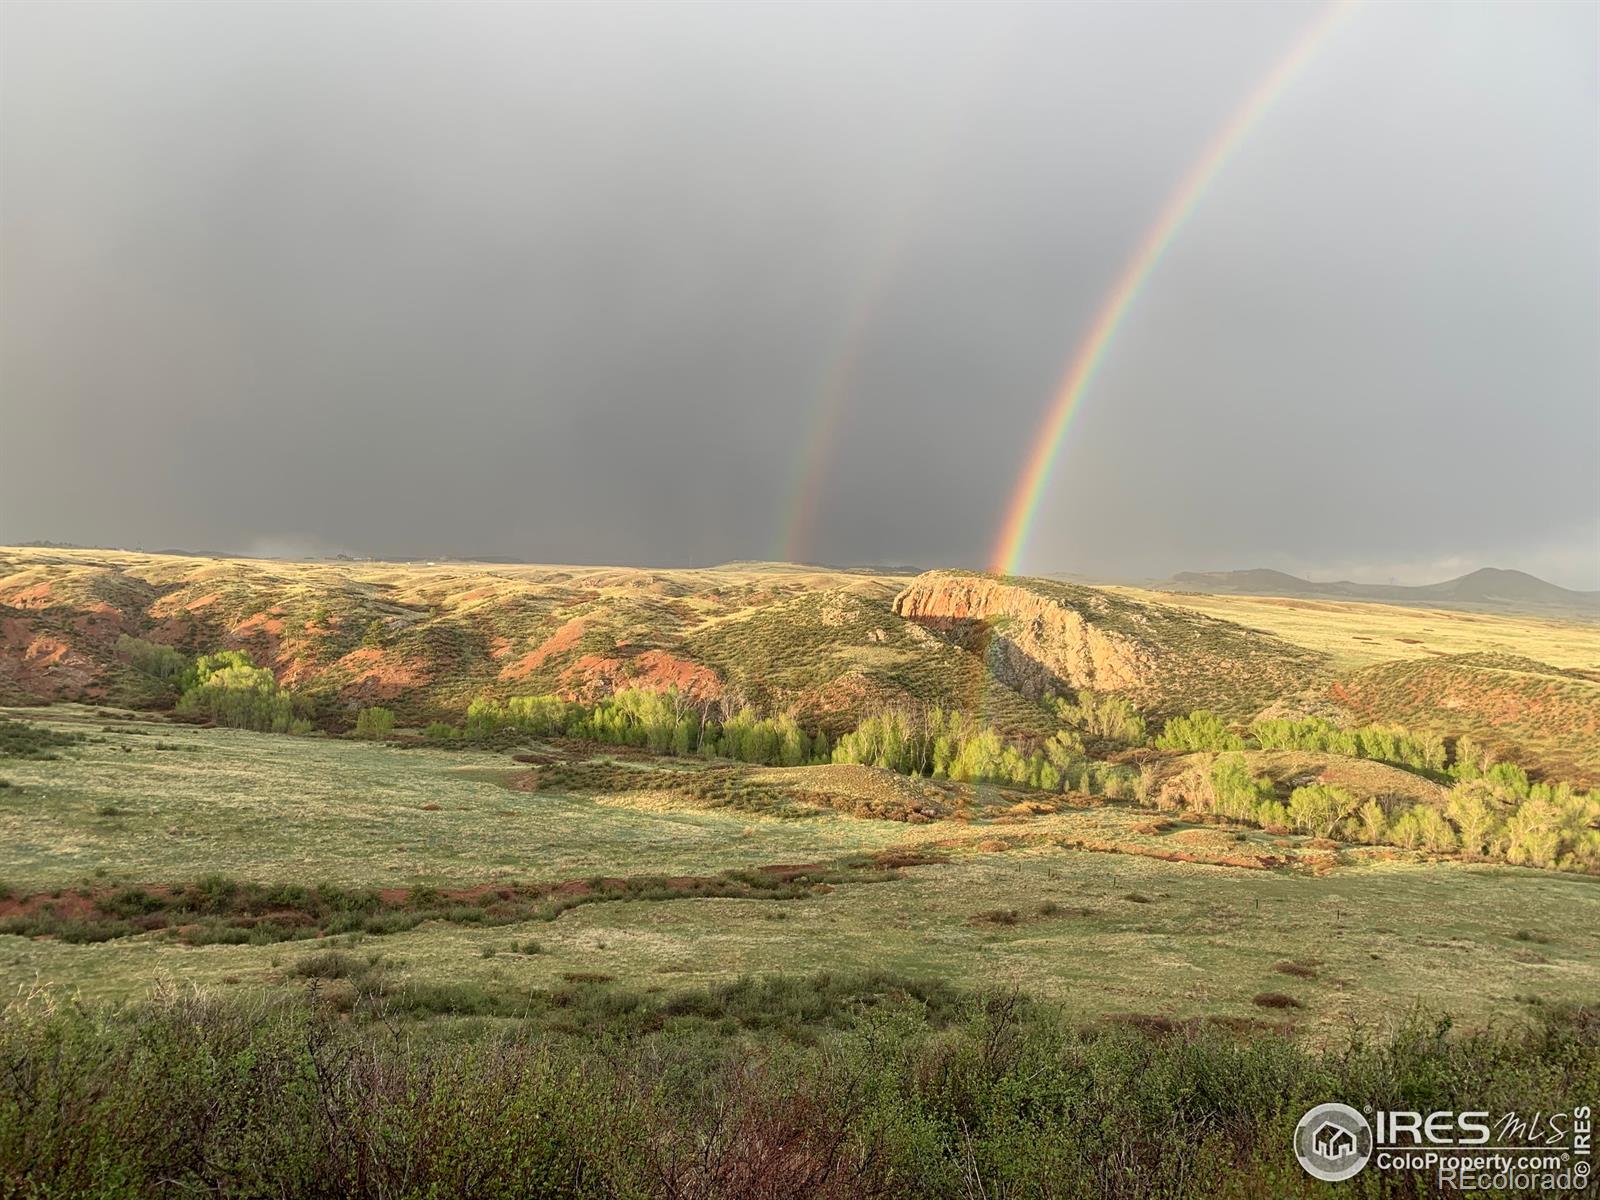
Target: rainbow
810 470
1135 274
809 475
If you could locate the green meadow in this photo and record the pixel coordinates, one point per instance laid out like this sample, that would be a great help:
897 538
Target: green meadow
1092 908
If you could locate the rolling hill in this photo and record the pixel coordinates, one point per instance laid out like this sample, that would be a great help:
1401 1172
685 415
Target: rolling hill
825 645
828 647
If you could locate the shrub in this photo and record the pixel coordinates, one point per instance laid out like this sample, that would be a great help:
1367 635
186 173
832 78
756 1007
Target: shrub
1274 1000
162 663
376 722
19 739
838 1087
998 916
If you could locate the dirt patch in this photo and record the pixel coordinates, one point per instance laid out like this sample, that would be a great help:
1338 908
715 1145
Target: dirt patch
378 674
659 670
595 676
36 595
69 905
261 622
562 640
40 664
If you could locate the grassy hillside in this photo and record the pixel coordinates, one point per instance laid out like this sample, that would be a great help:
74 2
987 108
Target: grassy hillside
828 647
1526 710
295 961
427 640
1486 589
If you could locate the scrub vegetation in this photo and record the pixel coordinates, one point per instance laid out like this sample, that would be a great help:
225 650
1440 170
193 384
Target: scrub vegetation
824 1086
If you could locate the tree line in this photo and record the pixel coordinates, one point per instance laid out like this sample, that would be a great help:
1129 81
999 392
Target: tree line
1493 809
1493 812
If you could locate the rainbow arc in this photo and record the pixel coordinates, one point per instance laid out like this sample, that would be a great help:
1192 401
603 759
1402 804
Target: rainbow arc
1136 272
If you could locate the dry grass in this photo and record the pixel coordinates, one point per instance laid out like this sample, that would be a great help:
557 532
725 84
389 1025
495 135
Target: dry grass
1357 634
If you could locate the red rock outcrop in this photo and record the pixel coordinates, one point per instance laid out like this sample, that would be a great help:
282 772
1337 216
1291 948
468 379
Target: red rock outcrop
1033 641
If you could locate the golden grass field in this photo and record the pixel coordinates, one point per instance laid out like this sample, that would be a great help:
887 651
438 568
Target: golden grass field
1358 634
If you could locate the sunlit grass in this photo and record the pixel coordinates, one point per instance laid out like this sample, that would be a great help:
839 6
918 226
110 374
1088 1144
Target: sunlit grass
1199 939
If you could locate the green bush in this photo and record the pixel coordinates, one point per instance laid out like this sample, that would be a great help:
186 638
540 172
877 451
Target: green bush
833 1086
229 689
1200 730
375 722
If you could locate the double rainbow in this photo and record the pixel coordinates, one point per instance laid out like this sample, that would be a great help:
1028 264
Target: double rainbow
1135 274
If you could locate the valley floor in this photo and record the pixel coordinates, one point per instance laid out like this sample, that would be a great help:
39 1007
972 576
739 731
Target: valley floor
1097 908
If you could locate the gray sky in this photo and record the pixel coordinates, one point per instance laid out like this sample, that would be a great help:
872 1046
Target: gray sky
579 283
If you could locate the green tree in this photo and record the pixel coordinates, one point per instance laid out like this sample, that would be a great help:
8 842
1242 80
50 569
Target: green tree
1534 833
1318 808
1423 827
164 663
792 744
1477 818
1109 718
1236 793
1200 730
1371 823
229 689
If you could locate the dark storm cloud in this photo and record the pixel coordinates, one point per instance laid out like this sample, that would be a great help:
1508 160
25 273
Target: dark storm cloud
565 283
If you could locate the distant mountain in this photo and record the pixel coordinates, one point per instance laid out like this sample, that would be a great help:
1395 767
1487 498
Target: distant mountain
1487 588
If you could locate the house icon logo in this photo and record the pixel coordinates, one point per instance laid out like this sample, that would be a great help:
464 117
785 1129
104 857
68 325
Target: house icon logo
1333 1142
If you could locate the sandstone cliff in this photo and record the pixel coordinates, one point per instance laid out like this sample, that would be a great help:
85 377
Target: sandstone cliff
1040 637
1037 643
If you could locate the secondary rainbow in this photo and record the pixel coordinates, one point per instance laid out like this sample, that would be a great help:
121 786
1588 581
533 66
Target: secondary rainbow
875 288
1081 370
838 376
